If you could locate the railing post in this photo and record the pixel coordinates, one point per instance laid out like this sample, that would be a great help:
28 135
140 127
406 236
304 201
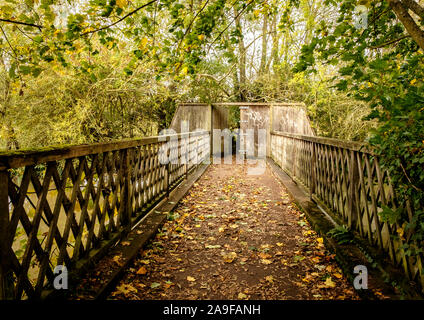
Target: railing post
186 156
294 158
211 132
268 135
197 152
313 171
354 181
126 196
167 166
6 276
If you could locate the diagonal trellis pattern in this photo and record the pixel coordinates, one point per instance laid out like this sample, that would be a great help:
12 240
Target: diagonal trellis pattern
347 180
60 206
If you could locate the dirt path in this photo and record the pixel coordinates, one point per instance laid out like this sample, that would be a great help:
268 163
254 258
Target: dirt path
235 236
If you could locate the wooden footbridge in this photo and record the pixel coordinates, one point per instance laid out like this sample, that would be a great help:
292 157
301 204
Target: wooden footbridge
70 205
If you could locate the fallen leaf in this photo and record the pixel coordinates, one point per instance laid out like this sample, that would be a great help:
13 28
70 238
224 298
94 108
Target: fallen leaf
269 279
117 260
264 255
155 285
142 270
191 279
125 289
229 257
328 283
266 261
242 296
210 246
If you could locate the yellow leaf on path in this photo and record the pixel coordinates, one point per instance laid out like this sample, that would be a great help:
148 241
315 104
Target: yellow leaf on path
266 261
308 278
168 285
229 257
280 244
264 255
338 275
316 259
142 270
125 289
329 283
191 279
117 260
242 296
320 240
269 279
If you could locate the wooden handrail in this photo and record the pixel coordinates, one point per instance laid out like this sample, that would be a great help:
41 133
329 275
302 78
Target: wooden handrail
350 145
25 157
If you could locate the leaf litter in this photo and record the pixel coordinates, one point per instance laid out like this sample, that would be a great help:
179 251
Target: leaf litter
235 236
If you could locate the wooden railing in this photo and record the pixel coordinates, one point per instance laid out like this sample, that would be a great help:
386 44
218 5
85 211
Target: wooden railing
67 206
346 179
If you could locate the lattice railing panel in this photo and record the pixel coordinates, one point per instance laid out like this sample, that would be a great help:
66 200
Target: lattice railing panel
61 204
351 184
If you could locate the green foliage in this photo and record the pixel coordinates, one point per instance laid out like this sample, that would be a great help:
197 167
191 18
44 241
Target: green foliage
341 235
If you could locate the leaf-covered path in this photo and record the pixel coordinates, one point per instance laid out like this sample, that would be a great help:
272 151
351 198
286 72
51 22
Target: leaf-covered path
235 236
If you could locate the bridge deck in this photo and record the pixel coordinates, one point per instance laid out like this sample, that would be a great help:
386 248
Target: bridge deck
235 236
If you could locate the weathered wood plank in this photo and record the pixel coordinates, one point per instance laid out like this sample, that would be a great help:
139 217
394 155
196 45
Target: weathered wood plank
27 157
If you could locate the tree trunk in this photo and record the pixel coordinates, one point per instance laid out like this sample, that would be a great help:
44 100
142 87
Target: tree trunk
263 66
275 42
242 61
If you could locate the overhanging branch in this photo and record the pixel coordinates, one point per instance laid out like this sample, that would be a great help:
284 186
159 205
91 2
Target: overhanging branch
22 23
122 19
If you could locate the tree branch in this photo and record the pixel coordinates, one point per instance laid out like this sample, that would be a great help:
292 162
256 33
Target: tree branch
199 75
22 23
122 19
403 15
10 45
191 24
414 6
234 19
390 42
